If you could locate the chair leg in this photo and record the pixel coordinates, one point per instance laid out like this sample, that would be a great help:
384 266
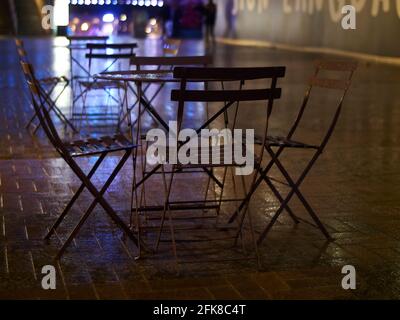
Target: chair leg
74 198
134 196
313 215
271 223
243 210
248 212
167 187
279 197
222 191
253 238
167 210
294 190
172 230
263 176
76 230
100 199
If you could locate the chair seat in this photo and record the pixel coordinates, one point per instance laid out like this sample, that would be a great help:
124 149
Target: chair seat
274 141
101 85
93 146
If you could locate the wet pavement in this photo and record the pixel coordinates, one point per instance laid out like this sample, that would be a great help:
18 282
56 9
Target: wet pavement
354 187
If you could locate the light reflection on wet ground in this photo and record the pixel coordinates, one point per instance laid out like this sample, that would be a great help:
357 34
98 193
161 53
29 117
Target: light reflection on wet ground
354 187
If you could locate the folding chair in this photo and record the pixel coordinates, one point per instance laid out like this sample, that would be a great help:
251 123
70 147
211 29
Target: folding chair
70 151
49 86
121 52
171 48
281 144
166 63
78 43
161 63
230 100
54 81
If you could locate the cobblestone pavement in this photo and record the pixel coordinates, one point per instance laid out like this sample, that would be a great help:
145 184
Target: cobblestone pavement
354 187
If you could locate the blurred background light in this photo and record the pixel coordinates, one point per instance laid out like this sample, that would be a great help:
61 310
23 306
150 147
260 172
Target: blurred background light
141 3
61 13
108 29
85 26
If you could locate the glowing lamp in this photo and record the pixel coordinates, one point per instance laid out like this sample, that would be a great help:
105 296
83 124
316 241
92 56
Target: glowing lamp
108 17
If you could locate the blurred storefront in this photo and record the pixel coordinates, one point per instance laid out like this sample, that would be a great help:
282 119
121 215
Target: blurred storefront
106 17
314 23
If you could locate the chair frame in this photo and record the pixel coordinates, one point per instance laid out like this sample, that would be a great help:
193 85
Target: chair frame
230 98
52 81
85 40
90 84
294 184
166 61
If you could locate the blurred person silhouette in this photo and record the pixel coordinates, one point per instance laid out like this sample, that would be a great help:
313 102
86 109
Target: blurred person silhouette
210 12
230 19
166 18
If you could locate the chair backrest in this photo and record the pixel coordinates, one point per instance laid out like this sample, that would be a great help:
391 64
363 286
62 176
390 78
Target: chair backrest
140 62
41 106
23 56
99 51
227 74
341 85
116 46
268 93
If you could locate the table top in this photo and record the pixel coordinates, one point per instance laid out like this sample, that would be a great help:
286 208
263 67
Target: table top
85 38
138 76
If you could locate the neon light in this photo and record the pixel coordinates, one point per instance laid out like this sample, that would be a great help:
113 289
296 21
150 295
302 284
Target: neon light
61 12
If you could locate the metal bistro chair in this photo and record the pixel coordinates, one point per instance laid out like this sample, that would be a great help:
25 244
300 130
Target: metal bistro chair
171 48
78 43
49 84
51 80
161 63
233 100
99 53
281 144
70 151
164 63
